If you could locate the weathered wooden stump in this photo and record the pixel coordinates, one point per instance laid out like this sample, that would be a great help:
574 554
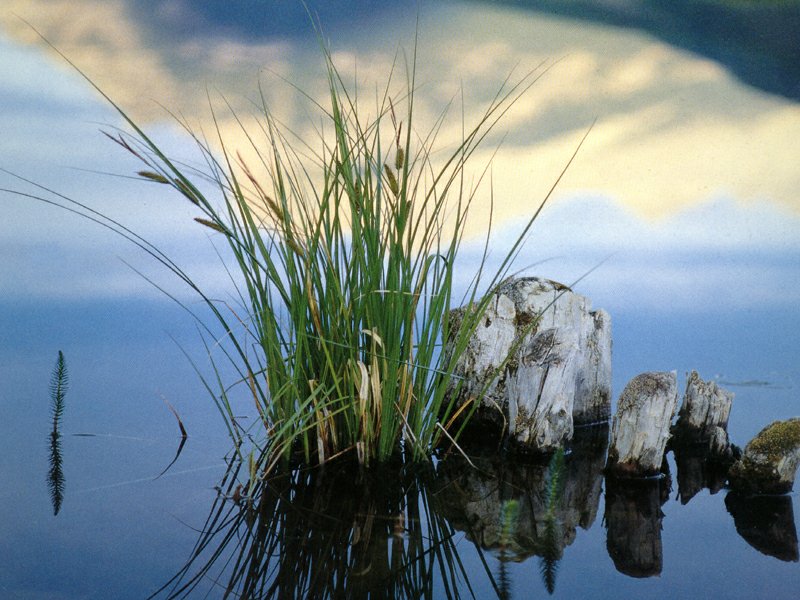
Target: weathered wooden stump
705 406
770 460
703 451
640 429
703 418
555 354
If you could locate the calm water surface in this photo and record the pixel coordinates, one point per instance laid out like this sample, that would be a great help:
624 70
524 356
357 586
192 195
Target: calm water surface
687 192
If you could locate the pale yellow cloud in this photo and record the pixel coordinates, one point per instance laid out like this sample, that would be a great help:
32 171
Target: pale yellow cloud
673 129
100 37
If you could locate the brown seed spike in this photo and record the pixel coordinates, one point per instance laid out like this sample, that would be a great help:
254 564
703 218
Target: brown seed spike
399 159
211 224
391 180
297 248
190 195
157 177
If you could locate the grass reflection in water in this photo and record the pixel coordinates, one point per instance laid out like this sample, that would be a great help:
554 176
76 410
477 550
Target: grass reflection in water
325 533
345 531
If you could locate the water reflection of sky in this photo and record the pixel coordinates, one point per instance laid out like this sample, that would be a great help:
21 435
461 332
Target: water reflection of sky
686 187
686 191
674 128
706 161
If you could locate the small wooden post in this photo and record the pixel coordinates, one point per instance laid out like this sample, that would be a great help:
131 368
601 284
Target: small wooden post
640 428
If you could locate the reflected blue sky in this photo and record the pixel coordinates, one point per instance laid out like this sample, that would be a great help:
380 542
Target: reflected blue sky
681 207
683 203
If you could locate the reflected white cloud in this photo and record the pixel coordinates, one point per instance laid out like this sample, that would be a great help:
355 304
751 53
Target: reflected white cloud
674 133
719 256
673 130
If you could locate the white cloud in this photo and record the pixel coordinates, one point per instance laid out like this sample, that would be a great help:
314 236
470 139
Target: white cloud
721 255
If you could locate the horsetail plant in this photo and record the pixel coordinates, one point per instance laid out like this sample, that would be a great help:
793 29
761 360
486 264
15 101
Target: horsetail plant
344 269
59 381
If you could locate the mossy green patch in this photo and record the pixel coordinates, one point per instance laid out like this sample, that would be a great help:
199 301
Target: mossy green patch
777 439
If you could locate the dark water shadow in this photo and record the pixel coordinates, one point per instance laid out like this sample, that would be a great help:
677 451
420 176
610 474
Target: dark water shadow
324 533
517 509
698 469
633 520
475 495
766 523
399 532
393 533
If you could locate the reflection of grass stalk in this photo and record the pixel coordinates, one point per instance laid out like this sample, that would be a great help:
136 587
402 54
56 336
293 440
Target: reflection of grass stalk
345 267
509 515
55 477
555 479
58 389
291 544
548 564
551 542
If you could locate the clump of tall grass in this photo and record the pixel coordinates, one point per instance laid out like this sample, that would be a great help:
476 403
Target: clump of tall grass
346 271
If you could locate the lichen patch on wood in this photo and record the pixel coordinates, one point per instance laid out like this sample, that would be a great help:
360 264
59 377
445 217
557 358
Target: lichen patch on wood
770 460
542 357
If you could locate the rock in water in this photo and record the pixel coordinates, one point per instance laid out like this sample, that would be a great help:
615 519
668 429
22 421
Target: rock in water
558 371
640 429
770 460
703 417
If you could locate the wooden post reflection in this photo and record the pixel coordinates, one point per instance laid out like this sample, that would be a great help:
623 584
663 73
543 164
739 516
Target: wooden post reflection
766 523
633 522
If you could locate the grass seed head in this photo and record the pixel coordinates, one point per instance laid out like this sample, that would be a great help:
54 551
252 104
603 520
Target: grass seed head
399 159
391 180
157 177
211 225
